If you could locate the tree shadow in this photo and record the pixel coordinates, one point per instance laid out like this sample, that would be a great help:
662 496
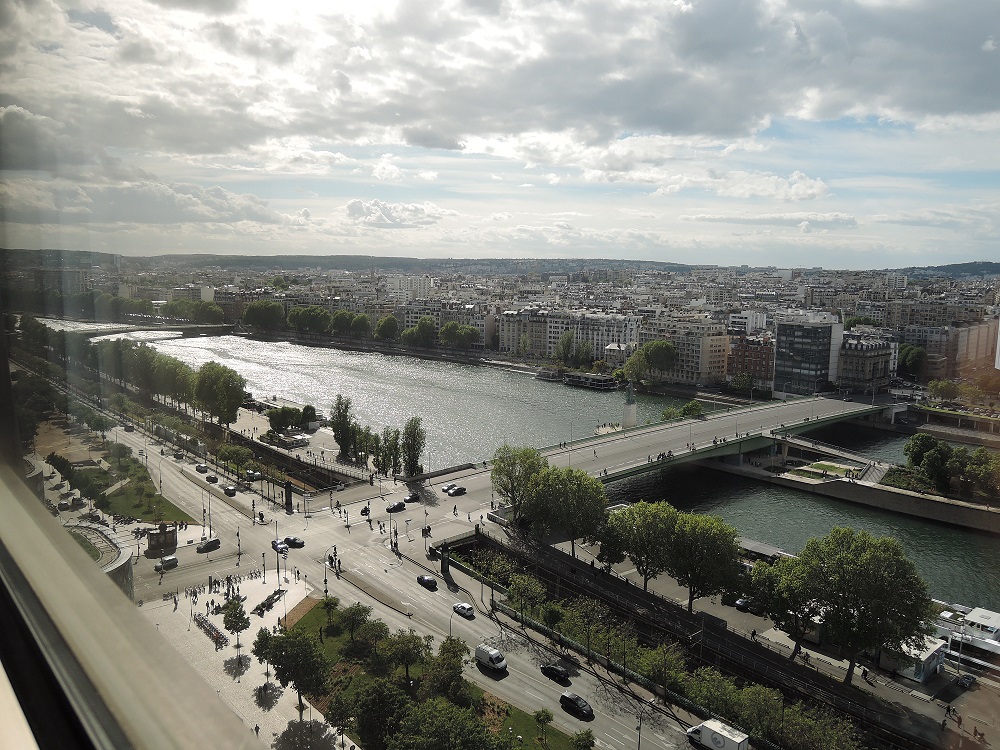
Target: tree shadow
266 695
309 733
236 666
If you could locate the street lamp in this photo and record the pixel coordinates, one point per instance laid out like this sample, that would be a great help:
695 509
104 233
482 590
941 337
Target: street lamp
449 624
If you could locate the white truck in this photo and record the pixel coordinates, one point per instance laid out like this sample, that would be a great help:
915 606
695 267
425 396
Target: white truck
715 735
490 658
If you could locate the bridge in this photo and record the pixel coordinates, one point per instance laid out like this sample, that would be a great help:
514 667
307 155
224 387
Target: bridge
731 434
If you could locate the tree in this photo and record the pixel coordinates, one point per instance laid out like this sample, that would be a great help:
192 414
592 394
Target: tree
917 447
512 472
387 328
379 707
330 604
443 674
372 632
858 320
308 415
525 591
342 424
741 381
262 646
234 619
871 594
310 319
703 556
564 347
422 335
219 391
436 724
286 416
543 717
341 322
266 314
406 647
412 445
361 326
692 409
119 451
570 499
788 596
298 659
583 740
636 366
354 616
661 355
645 530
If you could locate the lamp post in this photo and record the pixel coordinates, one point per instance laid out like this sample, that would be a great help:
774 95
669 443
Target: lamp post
449 624
263 565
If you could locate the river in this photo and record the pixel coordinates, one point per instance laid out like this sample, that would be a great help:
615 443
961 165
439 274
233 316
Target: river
470 410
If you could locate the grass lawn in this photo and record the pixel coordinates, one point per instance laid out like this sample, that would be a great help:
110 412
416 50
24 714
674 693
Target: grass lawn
85 543
139 497
349 675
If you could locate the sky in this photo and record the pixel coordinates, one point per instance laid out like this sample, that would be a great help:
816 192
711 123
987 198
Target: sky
843 134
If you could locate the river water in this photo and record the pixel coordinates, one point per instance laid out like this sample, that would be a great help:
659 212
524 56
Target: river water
469 410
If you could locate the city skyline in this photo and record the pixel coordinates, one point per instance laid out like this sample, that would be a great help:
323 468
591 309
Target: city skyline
843 135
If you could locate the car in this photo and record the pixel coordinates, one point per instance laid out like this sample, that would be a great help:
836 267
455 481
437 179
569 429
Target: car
448 487
411 498
557 672
395 507
456 491
129 428
366 510
965 680
279 546
743 604
201 468
465 610
575 704
428 582
294 541
211 479
178 455
64 505
229 490
209 544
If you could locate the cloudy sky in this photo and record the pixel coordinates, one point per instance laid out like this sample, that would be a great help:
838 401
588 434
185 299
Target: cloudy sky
847 134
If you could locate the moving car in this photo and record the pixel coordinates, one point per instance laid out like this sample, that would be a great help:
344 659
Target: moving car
464 609
178 455
448 487
396 506
966 680
411 498
279 546
556 672
576 705
294 541
229 490
490 658
201 468
165 563
129 428
209 544
428 582
211 479
456 491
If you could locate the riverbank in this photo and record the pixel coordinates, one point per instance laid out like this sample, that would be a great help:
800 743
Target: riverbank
861 492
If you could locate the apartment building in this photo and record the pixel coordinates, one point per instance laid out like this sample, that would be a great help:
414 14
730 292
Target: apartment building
702 346
865 364
807 354
753 355
536 332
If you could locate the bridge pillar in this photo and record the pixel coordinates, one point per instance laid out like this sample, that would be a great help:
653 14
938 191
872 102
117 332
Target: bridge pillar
784 452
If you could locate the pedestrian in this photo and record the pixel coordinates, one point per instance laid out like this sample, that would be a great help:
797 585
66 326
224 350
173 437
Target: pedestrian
256 729
753 634
944 723
455 509
958 719
864 674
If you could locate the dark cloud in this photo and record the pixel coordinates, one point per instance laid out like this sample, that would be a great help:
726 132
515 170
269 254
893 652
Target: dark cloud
428 138
208 7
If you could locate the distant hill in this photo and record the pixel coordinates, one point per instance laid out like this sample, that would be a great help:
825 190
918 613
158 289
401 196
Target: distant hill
955 270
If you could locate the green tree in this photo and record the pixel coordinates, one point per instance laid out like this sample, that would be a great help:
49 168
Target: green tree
342 424
583 740
871 594
412 445
422 335
543 717
564 347
858 320
310 319
387 328
379 707
361 326
511 474
704 555
692 409
570 499
917 447
645 530
443 674
664 665
636 366
670 413
406 648
436 724
234 619
742 381
286 416
261 648
372 633
341 322
525 591
308 415
266 314
298 660
330 604
119 451
661 355
713 691
354 616
219 391
788 596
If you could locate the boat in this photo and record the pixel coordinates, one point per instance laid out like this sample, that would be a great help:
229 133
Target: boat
590 380
549 374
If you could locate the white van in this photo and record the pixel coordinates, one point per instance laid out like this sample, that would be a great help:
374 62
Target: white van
490 658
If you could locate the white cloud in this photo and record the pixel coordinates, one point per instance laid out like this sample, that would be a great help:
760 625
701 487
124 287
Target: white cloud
381 215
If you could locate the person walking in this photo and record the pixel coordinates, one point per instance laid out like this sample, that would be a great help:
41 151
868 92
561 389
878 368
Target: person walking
256 729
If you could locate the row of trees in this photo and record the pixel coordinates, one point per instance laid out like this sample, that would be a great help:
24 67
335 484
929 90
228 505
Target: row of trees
90 305
391 452
912 360
943 466
652 357
195 311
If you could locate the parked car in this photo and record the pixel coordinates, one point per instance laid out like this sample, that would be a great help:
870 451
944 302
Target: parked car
577 705
229 490
279 546
129 428
456 491
209 544
448 487
464 609
178 455
201 468
294 541
366 510
411 498
428 582
211 479
555 672
395 507
965 680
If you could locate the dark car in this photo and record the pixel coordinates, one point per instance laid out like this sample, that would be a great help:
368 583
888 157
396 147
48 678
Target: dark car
456 491
395 507
965 681
577 705
201 468
178 455
209 544
278 546
229 490
556 672
294 541
129 428
211 479
428 582
411 498
366 510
